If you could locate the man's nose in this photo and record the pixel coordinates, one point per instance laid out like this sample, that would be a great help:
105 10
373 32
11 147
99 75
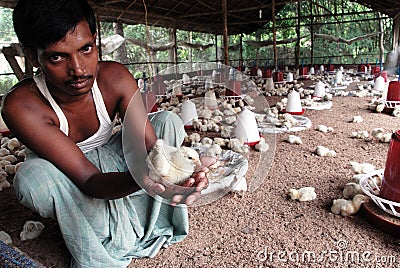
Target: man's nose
76 66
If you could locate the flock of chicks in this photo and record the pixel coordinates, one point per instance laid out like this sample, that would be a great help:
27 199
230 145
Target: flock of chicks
177 164
12 155
353 196
352 193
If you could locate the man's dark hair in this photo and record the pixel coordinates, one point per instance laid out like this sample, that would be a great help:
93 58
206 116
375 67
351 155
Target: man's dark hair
39 23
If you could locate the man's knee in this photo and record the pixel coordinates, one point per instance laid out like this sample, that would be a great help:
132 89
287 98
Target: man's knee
169 126
32 184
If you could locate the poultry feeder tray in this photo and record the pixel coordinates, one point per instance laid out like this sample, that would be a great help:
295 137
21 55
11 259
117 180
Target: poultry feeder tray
392 104
381 213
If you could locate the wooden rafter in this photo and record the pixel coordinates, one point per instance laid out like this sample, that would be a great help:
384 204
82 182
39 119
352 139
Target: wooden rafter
342 40
265 43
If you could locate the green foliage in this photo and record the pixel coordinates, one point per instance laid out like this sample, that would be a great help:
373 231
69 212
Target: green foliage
6 25
7 82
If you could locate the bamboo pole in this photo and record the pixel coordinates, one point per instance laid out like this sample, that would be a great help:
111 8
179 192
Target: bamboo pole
274 35
297 48
226 41
312 31
396 32
216 47
241 50
381 39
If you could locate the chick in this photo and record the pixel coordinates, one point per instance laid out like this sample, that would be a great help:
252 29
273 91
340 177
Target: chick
323 151
193 138
294 139
171 164
4 184
213 151
357 119
348 207
377 132
262 146
361 168
386 137
324 128
303 194
351 189
31 230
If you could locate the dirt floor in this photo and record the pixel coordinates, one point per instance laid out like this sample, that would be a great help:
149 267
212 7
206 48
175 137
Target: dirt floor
265 228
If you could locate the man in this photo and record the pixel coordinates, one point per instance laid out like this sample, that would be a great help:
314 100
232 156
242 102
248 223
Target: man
76 171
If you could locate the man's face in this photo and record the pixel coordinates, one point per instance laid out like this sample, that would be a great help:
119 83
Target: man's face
70 65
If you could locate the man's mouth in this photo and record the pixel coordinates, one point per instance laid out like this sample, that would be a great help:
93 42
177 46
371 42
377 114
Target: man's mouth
80 82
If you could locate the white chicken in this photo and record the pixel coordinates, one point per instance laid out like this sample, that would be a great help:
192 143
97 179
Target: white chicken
31 230
171 164
346 207
351 189
361 168
303 194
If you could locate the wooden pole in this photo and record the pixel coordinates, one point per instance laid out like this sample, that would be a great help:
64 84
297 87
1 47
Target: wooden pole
216 47
297 48
241 50
312 31
9 54
120 54
99 36
171 52
381 38
396 32
175 51
190 50
274 35
226 41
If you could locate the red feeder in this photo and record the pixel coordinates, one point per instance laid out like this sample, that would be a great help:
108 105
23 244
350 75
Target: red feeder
149 100
220 78
393 93
234 88
278 77
375 70
390 189
253 71
303 70
158 86
381 73
267 73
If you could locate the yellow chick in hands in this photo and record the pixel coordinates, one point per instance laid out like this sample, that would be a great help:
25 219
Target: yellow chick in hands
171 164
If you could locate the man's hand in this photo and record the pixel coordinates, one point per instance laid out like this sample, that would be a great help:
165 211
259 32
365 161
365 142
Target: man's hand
186 193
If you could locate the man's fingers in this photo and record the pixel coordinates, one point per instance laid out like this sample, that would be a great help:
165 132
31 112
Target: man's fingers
176 199
192 198
152 187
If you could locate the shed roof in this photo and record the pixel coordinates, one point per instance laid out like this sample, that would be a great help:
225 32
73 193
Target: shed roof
202 15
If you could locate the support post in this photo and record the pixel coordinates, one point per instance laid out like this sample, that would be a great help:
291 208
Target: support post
226 41
274 35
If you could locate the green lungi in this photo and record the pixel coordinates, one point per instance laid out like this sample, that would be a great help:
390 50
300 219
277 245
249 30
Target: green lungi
98 232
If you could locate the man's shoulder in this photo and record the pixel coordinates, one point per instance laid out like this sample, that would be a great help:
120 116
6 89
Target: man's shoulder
24 88
24 83
113 75
111 67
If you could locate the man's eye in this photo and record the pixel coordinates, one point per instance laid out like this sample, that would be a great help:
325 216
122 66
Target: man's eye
55 58
87 48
